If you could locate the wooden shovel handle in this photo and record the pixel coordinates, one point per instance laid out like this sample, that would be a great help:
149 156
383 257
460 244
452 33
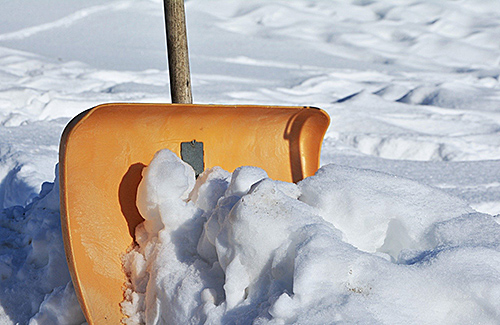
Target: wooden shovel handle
177 48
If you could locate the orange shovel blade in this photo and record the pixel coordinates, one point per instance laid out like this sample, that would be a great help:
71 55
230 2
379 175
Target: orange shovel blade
104 150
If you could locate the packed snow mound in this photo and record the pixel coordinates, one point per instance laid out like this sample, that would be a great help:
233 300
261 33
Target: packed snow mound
377 211
346 245
35 284
412 88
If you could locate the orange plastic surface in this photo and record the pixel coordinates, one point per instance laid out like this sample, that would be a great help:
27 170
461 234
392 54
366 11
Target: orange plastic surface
104 150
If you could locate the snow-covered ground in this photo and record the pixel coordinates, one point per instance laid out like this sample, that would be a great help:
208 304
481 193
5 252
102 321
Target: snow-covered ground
412 88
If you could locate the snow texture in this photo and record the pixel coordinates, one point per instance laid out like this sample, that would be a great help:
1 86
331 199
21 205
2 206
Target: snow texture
399 225
346 245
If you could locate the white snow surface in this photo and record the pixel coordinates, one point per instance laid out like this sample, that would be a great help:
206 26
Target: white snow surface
400 225
346 245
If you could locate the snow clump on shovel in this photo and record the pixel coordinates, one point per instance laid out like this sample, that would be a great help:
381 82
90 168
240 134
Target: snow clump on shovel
346 245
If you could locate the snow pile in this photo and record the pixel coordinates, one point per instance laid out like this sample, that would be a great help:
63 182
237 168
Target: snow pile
346 245
35 283
412 88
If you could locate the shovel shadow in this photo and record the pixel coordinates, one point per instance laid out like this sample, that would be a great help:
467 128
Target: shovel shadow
127 194
293 135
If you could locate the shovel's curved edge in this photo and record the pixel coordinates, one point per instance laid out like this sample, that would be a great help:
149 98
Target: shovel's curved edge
65 222
103 151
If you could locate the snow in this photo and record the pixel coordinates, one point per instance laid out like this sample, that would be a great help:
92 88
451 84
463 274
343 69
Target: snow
399 225
345 245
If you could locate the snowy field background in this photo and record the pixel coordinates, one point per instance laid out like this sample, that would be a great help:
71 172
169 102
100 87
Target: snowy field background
412 88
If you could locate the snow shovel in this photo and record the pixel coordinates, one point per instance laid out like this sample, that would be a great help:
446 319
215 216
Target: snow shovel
104 150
